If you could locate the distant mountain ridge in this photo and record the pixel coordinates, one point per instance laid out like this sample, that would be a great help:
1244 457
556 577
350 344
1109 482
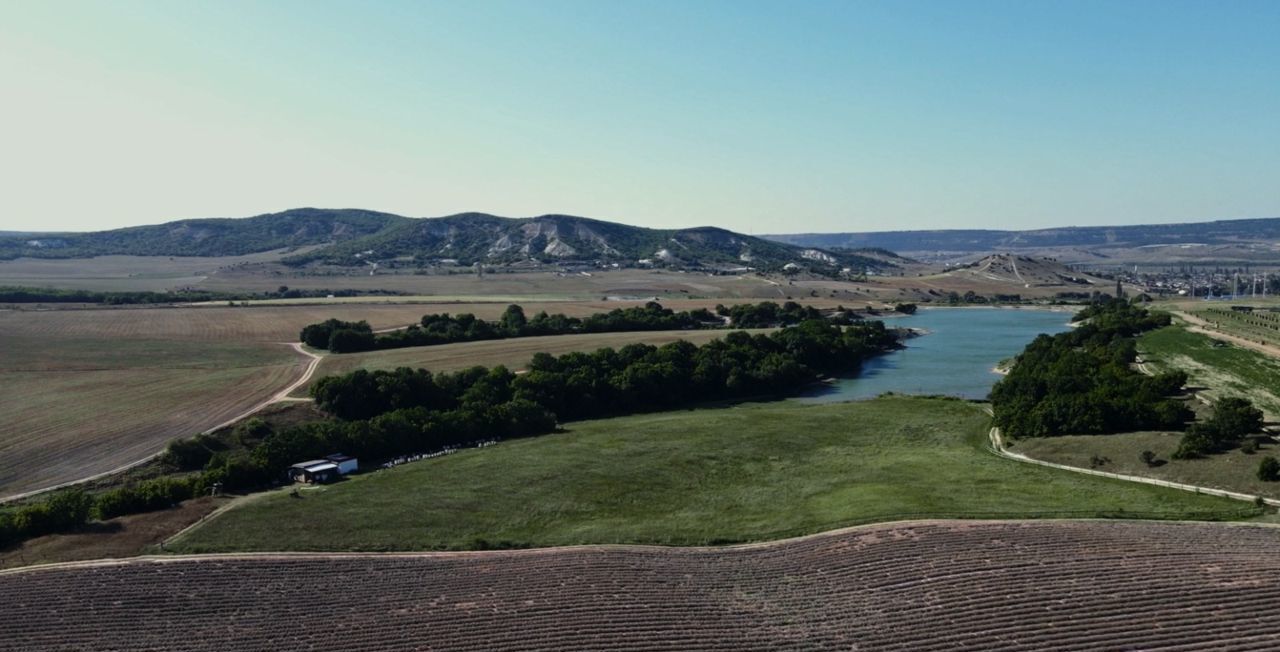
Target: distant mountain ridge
357 237
1220 232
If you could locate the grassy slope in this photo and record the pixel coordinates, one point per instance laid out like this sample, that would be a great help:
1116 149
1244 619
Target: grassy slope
1229 370
716 475
1225 369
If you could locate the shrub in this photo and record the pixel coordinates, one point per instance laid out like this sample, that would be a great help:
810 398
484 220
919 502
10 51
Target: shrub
150 495
1269 469
1148 458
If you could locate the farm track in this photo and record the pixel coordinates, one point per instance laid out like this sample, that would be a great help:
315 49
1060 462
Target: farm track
925 585
998 447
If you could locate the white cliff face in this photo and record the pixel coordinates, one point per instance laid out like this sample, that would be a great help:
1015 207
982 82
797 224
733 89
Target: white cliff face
559 249
822 256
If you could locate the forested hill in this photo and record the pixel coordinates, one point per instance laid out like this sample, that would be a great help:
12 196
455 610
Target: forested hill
975 240
356 237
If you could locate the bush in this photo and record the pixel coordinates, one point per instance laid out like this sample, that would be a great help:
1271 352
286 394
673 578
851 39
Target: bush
150 495
1269 469
191 454
1148 458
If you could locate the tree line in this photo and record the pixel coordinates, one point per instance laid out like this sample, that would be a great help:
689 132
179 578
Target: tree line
1082 381
340 336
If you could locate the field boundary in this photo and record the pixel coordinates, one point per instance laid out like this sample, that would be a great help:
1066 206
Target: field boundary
598 547
278 397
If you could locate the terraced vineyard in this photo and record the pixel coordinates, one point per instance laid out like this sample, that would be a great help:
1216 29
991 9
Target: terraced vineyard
1258 326
913 586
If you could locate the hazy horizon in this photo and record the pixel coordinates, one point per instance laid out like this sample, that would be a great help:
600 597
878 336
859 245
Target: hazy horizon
624 221
755 117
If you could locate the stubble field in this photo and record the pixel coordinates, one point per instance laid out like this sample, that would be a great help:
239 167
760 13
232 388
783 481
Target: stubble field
935 585
81 407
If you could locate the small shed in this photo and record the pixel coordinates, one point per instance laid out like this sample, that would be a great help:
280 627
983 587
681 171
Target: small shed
346 463
314 472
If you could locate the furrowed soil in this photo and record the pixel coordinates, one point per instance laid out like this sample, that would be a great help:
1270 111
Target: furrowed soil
747 473
932 585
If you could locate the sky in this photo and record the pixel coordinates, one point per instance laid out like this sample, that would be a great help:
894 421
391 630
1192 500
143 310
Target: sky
761 117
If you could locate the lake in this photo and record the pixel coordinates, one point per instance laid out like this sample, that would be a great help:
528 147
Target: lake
955 359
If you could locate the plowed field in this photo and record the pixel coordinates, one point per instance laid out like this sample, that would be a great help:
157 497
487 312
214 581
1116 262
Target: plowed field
912 586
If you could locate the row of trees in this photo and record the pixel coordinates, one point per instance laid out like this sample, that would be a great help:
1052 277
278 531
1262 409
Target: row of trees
73 508
346 337
1082 381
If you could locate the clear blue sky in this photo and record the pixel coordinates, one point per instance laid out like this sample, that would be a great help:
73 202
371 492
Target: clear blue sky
760 117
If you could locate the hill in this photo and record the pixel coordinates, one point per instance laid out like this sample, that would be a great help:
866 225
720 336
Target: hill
935 585
1247 239
350 237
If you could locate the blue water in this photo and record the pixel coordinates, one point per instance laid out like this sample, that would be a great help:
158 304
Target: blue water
955 359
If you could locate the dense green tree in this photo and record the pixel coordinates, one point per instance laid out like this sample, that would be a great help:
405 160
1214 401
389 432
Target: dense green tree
1269 469
1082 381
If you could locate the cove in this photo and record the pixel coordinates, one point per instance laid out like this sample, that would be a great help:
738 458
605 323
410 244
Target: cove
955 358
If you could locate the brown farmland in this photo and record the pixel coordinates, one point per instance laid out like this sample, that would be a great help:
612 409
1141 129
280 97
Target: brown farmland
912 586
279 323
80 407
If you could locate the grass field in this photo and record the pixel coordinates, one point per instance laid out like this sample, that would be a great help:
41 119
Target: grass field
746 473
1223 368
1232 470
78 407
514 353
